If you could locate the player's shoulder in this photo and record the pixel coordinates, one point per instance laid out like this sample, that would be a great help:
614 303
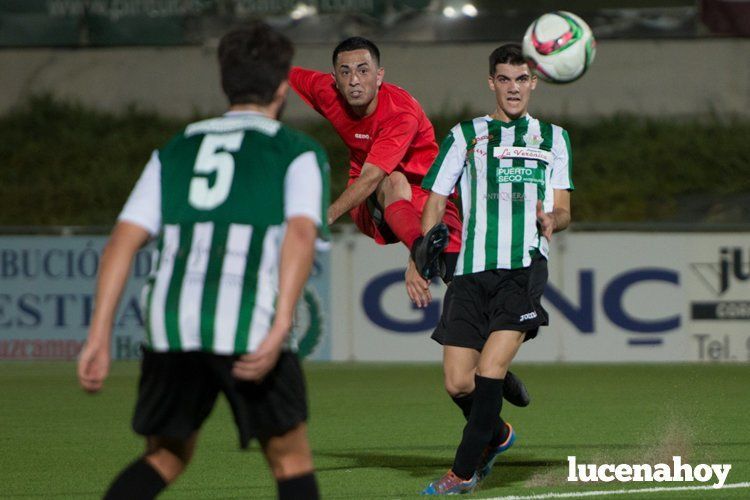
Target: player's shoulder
401 98
174 144
297 141
287 139
556 129
299 72
174 141
463 129
312 82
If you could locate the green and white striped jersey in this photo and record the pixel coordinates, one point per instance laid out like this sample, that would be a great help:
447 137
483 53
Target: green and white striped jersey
502 169
218 195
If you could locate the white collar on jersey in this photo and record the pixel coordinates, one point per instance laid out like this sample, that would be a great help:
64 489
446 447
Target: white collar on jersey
525 117
234 121
243 113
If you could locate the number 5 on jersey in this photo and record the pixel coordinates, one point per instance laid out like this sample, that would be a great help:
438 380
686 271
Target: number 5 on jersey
214 155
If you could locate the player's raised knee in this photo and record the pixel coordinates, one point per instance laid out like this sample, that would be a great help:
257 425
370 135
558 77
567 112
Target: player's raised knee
457 386
399 182
396 187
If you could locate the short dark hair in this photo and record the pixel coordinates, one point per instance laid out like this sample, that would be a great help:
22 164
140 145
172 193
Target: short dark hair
356 43
510 53
254 60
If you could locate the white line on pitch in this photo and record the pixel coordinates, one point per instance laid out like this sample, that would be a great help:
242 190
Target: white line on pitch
620 492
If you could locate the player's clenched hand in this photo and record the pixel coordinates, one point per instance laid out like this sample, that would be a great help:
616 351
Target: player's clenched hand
417 287
93 365
256 365
546 221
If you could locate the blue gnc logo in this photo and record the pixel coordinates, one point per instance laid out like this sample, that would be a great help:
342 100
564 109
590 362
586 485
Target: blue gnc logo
580 311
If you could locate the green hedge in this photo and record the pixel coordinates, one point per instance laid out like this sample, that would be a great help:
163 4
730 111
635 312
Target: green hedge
64 164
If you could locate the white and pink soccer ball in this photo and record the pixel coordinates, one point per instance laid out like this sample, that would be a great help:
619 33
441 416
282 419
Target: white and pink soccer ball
559 47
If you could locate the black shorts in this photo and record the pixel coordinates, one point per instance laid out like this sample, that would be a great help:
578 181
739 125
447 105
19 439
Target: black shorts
478 304
178 390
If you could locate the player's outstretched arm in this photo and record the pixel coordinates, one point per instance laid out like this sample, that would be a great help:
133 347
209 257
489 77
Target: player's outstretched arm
307 83
357 192
93 363
559 218
297 254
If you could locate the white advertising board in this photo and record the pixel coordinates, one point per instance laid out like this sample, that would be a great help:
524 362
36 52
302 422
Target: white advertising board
611 297
47 299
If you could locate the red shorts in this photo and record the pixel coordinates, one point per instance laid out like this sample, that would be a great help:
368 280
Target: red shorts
370 220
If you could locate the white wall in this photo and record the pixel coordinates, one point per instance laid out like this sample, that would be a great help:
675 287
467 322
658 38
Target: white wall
642 77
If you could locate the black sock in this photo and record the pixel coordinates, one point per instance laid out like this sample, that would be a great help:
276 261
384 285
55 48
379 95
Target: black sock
138 480
498 433
298 488
482 424
464 402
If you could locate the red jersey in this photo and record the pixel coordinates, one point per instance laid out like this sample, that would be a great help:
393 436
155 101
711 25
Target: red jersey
396 136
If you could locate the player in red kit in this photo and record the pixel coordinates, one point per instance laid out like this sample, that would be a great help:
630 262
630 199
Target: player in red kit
391 147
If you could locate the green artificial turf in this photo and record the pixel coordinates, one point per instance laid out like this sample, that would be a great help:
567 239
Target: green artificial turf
386 430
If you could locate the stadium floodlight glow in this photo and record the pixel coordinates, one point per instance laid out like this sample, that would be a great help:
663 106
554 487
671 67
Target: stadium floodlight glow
450 12
302 10
469 10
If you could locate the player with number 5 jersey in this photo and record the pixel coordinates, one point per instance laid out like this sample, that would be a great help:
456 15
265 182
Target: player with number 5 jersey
235 203
222 190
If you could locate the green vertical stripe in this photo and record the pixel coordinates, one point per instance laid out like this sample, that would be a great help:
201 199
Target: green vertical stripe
494 130
249 290
211 285
518 205
445 146
149 295
172 306
570 157
546 145
325 176
548 138
467 128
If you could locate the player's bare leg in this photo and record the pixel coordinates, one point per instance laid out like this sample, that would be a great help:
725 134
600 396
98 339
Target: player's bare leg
393 188
289 455
459 367
290 459
486 435
499 350
170 457
165 459
459 370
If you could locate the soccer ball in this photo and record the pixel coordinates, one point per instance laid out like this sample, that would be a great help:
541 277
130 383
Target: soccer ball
559 47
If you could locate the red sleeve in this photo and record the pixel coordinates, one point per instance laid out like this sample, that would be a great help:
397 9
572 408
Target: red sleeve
393 142
309 84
